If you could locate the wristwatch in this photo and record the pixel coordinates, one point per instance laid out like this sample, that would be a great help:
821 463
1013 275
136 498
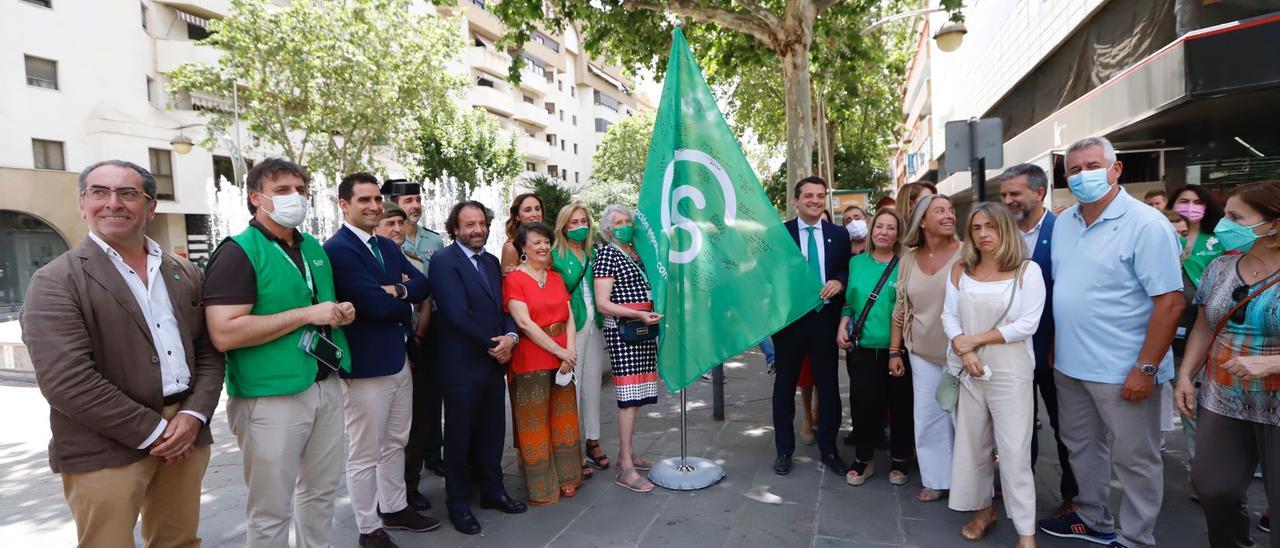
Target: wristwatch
402 292
1147 369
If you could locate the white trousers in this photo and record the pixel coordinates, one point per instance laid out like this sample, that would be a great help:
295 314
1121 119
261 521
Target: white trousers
379 416
589 344
996 415
292 450
935 428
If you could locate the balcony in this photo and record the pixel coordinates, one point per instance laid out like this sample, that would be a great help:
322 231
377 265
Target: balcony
532 114
492 100
172 53
534 149
203 8
489 61
532 82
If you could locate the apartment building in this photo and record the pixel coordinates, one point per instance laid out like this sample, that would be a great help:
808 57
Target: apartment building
82 82
1187 91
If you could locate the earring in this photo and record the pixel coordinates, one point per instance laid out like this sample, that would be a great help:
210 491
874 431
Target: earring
524 258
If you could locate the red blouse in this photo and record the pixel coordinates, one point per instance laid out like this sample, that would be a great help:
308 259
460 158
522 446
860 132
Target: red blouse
547 306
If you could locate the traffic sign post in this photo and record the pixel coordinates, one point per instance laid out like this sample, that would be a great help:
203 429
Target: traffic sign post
976 145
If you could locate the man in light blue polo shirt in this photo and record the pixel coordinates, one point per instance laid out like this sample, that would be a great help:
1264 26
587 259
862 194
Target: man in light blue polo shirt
1117 298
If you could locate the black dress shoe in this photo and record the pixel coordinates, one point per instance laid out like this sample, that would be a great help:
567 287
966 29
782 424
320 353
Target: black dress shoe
417 501
782 465
436 468
409 520
377 539
465 522
505 504
835 464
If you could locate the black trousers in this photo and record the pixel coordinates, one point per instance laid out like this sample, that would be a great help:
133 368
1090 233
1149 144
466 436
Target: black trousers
872 392
426 436
1227 452
813 334
1049 393
477 426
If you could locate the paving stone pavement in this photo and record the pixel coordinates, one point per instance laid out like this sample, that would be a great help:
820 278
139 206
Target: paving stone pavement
750 507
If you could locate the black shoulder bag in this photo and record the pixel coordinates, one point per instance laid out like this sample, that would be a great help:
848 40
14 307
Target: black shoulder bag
854 330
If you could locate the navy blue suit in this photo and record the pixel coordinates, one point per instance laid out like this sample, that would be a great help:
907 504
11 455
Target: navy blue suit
1042 343
468 315
813 334
377 337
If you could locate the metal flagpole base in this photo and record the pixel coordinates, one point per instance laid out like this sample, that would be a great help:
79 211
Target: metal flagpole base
695 473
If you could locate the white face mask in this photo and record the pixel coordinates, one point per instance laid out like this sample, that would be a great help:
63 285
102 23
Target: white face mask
857 229
290 210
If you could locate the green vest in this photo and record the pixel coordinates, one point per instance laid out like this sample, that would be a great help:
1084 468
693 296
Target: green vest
572 271
280 367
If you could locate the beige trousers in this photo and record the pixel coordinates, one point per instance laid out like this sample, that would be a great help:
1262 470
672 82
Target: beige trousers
106 503
379 417
292 448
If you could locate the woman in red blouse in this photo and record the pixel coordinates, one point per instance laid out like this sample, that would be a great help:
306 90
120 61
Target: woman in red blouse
546 412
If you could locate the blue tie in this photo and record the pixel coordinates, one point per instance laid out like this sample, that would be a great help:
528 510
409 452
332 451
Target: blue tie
484 278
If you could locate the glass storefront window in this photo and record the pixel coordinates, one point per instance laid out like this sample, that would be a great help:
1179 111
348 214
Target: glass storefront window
26 244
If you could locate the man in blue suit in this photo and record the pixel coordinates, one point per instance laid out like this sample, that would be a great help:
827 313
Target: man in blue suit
826 248
1022 189
372 273
477 338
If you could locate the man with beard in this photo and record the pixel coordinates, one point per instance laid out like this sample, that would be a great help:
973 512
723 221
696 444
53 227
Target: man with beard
479 337
1022 189
425 437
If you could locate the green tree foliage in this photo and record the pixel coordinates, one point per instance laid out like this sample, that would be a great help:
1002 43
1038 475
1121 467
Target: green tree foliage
330 84
467 145
553 196
618 164
778 51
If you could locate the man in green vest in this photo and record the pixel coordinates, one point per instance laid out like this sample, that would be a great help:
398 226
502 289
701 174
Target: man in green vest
270 306
426 437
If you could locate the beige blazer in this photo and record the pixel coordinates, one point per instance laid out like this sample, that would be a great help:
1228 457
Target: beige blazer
95 361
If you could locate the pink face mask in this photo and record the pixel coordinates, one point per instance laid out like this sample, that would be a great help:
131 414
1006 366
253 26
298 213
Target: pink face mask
1193 212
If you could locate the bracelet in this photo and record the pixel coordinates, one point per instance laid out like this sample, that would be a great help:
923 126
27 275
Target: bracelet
895 354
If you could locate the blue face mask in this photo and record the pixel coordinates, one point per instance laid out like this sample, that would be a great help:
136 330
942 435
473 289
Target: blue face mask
1237 237
1090 185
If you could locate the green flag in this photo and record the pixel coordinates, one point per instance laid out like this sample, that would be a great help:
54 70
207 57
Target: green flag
725 272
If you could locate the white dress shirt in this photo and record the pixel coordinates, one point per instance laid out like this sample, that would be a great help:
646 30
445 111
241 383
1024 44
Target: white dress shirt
822 248
1030 237
153 298
364 237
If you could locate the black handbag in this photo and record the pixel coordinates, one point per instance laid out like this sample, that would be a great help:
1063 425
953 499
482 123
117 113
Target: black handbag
854 330
636 331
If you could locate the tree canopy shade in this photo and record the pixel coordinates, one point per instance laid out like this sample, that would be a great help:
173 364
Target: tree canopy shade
329 83
746 40
618 164
468 145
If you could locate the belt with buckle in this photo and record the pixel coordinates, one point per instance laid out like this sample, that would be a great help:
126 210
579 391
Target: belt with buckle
174 399
555 329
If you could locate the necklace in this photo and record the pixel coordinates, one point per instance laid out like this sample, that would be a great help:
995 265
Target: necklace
542 281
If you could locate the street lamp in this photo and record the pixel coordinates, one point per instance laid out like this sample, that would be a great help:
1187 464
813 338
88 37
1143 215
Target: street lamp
181 144
948 37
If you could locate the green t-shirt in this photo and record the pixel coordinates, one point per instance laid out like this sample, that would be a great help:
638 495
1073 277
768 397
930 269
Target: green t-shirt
864 272
1204 251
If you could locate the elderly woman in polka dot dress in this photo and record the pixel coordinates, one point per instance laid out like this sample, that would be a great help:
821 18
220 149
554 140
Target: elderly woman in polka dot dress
620 276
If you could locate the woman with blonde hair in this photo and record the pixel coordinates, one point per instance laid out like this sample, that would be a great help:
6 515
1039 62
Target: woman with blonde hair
910 194
992 308
932 248
572 255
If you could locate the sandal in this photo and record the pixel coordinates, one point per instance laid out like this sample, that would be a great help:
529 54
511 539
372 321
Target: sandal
567 492
598 459
587 470
859 472
640 464
929 495
898 472
639 484
977 528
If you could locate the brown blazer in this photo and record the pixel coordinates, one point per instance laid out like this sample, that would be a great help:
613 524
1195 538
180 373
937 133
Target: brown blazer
95 361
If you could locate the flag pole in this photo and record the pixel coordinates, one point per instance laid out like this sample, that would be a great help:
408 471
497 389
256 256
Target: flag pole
685 473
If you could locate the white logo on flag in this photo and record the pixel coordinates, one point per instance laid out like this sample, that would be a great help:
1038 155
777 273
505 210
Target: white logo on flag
672 219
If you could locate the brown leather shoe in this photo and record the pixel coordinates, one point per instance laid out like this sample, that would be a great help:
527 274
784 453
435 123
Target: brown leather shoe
377 539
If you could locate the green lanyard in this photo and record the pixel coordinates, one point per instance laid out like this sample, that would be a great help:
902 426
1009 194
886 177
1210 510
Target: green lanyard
311 286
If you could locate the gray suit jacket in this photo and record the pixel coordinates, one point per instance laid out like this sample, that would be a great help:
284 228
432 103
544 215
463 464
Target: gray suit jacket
95 361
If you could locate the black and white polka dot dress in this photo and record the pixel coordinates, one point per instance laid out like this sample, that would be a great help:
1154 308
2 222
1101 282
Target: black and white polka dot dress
635 366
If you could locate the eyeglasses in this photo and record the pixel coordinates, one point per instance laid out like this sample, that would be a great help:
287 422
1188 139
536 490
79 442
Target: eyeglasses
1238 294
126 194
